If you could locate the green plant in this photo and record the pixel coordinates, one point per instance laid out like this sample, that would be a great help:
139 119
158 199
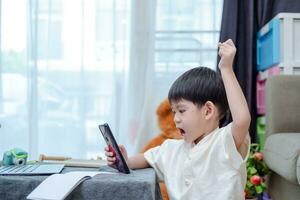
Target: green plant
257 171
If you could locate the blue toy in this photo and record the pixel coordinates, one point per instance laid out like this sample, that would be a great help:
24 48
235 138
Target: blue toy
15 156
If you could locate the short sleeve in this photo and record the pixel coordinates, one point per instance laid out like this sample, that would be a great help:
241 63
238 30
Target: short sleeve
236 156
154 157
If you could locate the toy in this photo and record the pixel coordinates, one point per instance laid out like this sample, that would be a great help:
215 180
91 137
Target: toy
71 162
15 156
168 131
166 124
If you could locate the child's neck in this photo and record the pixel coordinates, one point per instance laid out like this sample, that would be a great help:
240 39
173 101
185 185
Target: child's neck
210 128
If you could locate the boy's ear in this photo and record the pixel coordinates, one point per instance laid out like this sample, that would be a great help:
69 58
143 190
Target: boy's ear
209 110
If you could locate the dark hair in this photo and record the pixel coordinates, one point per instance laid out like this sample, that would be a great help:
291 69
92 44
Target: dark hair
200 85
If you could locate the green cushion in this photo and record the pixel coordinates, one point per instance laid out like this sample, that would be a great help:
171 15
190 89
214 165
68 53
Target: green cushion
281 153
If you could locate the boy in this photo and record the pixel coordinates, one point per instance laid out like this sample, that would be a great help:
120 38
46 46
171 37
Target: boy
209 163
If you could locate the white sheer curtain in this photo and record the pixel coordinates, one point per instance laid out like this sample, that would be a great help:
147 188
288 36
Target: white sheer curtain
142 115
63 67
68 65
13 76
186 36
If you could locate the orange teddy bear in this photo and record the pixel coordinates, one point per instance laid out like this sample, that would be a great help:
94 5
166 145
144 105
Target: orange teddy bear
168 131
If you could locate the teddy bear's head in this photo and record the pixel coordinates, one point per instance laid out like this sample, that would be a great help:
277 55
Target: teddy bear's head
166 120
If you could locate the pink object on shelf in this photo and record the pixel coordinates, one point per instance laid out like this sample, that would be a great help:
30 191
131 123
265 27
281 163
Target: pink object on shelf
260 87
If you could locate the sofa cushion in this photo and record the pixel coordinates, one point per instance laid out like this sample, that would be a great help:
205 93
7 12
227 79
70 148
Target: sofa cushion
281 153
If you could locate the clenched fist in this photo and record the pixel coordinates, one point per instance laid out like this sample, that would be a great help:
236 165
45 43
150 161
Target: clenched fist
227 52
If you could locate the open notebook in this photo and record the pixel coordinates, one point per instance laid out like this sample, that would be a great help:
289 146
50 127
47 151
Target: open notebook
34 169
58 186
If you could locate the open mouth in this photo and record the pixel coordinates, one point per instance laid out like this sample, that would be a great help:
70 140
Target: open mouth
182 132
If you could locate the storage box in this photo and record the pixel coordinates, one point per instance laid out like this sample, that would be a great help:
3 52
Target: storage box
261 131
268 45
278 43
260 87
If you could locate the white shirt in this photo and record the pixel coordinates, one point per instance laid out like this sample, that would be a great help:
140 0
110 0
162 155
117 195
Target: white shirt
211 170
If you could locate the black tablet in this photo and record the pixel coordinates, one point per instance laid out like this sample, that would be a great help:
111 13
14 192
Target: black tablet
120 163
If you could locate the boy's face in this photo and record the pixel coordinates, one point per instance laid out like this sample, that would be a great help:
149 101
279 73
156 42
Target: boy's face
189 119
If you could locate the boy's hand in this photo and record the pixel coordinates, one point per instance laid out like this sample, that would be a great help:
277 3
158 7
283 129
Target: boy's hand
111 156
227 52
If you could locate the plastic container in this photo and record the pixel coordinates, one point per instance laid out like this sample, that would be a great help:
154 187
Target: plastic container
278 43
260 87
261 131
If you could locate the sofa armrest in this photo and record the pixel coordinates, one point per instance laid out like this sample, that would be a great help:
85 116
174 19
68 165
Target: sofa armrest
281 154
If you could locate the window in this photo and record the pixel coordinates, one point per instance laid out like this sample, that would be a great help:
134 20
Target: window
187 34
65 68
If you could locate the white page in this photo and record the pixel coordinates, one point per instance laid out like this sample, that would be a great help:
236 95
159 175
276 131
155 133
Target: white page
58 186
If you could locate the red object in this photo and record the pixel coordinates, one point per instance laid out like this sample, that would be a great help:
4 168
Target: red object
111 149
255 180
258 156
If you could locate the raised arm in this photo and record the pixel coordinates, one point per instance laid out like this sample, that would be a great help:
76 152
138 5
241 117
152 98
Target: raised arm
236 99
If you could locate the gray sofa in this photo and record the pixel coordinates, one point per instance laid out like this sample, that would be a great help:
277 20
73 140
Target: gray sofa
282 147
